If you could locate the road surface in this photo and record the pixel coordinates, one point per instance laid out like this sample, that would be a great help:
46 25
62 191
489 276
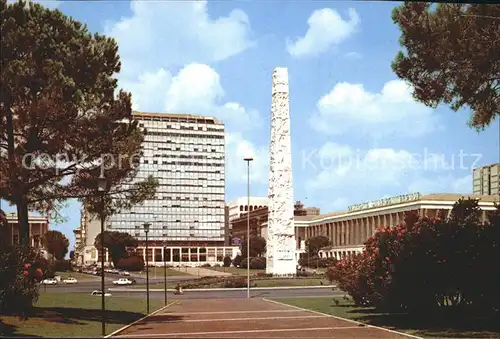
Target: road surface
89 286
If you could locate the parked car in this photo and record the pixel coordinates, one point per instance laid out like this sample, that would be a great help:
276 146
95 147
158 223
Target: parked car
123 281
49 281
125 273
99 292
70 280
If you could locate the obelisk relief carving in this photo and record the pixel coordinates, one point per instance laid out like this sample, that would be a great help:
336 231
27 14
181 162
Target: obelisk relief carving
281 231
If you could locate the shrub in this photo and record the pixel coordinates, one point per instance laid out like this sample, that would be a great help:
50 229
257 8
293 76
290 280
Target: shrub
237 260
206 265
315 261
227 261
61 266
235 283
304 274
428 265
20 271
256 263
133 263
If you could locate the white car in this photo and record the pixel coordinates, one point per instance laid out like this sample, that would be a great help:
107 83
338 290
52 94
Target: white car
49 281
99 292
70 280
125 273
122 281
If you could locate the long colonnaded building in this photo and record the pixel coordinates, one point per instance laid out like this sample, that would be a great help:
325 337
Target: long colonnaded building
348 230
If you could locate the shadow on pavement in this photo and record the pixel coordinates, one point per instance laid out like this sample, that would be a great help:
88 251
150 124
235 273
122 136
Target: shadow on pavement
161 318
76 315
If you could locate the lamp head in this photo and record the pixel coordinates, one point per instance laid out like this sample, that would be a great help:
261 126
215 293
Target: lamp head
146 227
248 159
101 183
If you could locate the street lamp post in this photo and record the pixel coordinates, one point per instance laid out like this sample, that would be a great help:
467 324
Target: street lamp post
248 160
146 230
165 270
101 186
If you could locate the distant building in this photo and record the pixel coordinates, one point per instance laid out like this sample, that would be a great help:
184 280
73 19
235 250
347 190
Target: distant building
186 153
486 180
239 206
38 226
348 230
258 223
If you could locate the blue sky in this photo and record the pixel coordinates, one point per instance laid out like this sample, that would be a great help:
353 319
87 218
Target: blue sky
357 135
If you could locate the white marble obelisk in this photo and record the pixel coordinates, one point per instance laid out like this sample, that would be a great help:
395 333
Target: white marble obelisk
280 230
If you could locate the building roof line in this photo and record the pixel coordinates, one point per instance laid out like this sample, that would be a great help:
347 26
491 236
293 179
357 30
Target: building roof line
484 201
137 114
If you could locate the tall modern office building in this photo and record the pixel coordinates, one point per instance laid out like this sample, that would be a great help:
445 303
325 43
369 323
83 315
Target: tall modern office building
186 153
486 180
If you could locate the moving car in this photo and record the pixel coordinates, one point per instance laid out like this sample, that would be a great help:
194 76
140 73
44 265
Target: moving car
99 292
70 280
49 281
123 281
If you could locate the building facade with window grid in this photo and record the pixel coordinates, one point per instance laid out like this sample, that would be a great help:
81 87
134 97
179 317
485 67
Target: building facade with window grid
186 153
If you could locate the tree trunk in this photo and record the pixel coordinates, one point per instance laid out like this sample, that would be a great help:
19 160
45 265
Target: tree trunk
23 222
21 204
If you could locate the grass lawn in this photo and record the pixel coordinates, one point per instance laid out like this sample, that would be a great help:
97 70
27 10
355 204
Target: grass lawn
75 314
217 282
428 328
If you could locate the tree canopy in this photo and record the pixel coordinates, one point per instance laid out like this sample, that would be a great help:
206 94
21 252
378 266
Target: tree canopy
63 121
316 243
257 246
451 55
56 244
116 243
450 265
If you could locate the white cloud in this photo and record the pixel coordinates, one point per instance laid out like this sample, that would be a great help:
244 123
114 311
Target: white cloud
340 168
326 29
353 55
349 107
148 90
164 33
238 148
196 89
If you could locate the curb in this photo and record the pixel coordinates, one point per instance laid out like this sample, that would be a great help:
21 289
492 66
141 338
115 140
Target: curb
139 320
222 289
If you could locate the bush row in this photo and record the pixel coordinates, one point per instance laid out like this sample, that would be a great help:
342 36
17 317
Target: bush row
315 261
427 265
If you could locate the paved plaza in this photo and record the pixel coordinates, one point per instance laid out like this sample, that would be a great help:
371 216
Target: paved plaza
242 318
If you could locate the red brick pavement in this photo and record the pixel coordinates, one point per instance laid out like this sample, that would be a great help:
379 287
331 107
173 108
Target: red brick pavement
241 318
